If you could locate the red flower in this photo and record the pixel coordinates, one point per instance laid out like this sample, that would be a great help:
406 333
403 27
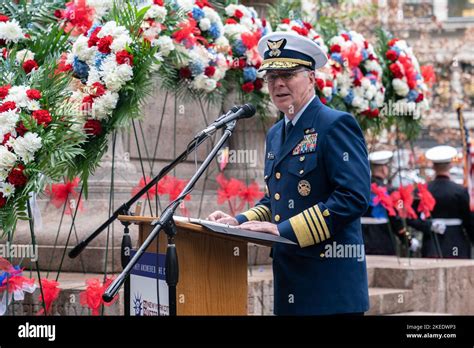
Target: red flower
93 127
59 14
392 42
141 184
51 293
258 84
307 25
158 2
242 63
320 83
104 44
285 20
323 100
238 14
98 90
248 87
391 55
185 73
419 98
428 74
228 188
92 296
329 83
345 36
123 57
30 65
427 201
396 70
210 71
301 31
33 94
335 48
264 22
87 102
9 105
250 40
6 137
21 129
16 176
3 200
382 197
250 194
230 21
403 200
374 113
62 192
42 117
4 18
93 39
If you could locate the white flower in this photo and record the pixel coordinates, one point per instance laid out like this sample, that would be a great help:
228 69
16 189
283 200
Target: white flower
94 76
7 189
24 55
7 159
203 82
157 13
380 99
400 87
115 75
104 105
222 44
212 15
11 31
33 105
230 10
26 146
204 24
234 30
246 22
337 40
82 51
186 5
101 7
8 120
112 29
18 95
372 65
327 91
343 92
165 45
120 43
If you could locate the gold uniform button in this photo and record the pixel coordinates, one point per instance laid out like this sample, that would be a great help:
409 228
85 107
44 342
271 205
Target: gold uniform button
277 196
277 218
301 158
301 171
278 175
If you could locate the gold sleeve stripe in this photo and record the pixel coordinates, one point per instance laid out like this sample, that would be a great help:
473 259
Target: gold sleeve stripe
301 230
251 215
268 211
319 229
260 215
312 226
323 222
263 210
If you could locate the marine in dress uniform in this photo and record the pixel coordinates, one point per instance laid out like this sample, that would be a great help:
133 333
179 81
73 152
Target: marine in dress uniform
317 187
380 230
448 233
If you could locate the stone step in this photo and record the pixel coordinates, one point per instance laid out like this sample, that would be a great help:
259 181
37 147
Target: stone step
421 313
388 301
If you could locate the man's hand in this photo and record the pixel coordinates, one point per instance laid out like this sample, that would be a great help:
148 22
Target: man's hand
265 227
438 227
223 218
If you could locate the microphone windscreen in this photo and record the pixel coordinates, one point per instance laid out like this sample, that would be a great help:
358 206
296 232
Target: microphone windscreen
249 110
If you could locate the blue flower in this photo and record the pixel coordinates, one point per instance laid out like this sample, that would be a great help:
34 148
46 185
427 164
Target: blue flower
239 48
337 57
412 95
214 31
198 14
349 98
81 69
3 276
250 74
396 49
196 68
265 31
99 58
365 55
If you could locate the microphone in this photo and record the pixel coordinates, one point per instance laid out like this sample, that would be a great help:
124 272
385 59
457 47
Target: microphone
236 113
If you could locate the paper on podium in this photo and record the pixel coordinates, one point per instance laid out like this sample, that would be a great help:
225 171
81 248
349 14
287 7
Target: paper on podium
235 231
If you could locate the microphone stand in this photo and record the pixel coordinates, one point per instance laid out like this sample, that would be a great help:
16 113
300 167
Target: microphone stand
125 208
167 223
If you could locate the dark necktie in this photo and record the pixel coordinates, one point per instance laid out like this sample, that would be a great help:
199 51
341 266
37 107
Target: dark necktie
288 129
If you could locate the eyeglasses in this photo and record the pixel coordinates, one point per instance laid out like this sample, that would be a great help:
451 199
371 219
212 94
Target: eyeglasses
284 75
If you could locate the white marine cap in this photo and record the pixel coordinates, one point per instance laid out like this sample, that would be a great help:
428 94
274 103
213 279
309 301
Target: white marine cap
287 50
441 154
380 157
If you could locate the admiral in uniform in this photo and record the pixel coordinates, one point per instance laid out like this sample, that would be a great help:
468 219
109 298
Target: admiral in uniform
317 188
379 229
447 234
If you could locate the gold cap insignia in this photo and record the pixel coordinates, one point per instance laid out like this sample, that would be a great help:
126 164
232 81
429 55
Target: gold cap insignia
275 47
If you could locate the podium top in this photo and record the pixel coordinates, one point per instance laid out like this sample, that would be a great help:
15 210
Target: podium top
222 230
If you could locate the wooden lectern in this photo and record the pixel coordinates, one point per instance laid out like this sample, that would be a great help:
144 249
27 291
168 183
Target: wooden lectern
212 266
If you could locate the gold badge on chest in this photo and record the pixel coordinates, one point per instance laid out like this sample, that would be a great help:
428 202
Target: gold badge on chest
304 188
